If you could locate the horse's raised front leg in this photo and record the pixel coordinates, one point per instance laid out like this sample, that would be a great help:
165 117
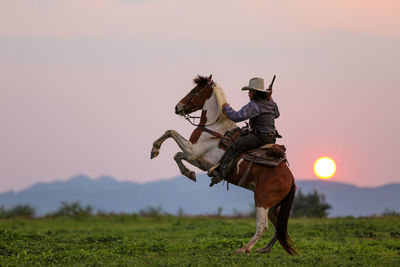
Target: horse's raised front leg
185 171
183 143
202 165
262 226
273 217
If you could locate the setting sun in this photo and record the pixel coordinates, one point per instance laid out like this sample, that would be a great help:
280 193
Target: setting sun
325 168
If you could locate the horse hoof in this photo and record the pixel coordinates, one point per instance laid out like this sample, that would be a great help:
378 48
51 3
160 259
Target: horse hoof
262 250
154 153
241 250
192 176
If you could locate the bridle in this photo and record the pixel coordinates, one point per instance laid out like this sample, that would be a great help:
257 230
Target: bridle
188 117
203 127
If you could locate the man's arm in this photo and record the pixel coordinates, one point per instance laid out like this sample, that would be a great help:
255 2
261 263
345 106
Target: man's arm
246 112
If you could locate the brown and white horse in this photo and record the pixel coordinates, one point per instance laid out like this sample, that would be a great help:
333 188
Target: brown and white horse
274 188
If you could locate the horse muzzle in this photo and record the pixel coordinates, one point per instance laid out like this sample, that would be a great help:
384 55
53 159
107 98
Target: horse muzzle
180 109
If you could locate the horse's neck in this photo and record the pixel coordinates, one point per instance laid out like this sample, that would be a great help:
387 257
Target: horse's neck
211 109
212 114
213 119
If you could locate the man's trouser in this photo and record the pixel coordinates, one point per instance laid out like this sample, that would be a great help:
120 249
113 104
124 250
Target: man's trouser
240 145
247 142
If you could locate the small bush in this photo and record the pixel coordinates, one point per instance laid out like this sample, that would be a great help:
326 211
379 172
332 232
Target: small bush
388 212
181 212
73 209
151 211
21 210
219 211
311 205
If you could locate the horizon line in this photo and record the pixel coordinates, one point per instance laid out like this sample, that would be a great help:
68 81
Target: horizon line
176 177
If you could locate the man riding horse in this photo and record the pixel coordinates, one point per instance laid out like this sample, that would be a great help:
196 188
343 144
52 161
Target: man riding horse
262 112
273 185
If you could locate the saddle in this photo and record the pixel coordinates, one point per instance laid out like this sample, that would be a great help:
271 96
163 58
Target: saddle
269 155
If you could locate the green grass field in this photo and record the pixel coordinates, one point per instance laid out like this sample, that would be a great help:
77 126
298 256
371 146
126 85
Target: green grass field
130 240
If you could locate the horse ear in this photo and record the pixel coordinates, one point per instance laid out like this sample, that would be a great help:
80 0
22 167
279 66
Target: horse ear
210 78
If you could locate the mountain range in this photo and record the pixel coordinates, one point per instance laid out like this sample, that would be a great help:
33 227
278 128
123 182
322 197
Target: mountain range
109 195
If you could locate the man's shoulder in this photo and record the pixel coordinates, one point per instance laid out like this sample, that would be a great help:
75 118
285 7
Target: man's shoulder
266 105
253 104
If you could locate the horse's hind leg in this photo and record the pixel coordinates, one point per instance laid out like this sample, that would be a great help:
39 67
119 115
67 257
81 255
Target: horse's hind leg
183 143
262 226
273 217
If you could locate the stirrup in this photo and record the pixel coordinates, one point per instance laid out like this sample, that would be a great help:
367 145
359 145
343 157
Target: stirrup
215 180
210 170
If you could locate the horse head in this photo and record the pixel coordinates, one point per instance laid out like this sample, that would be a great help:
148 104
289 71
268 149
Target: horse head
196 98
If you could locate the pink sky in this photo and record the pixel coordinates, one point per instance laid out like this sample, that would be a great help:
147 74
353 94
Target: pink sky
87 86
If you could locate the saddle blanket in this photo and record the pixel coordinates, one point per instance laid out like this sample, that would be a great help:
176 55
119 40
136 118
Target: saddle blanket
269 155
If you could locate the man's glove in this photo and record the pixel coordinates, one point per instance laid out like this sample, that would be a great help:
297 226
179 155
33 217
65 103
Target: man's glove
223 107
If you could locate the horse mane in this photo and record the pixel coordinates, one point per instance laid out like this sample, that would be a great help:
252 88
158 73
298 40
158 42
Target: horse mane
220 96
201 80
221 99
218 92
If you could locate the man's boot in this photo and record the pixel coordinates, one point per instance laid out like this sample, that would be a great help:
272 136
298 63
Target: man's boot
222 171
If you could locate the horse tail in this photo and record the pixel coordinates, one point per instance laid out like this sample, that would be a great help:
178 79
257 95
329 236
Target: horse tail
283 218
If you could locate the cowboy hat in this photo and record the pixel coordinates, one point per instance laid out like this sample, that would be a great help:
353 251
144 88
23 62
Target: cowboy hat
255 84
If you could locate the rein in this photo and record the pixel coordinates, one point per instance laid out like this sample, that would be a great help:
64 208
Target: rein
203 127
220 136
188 117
